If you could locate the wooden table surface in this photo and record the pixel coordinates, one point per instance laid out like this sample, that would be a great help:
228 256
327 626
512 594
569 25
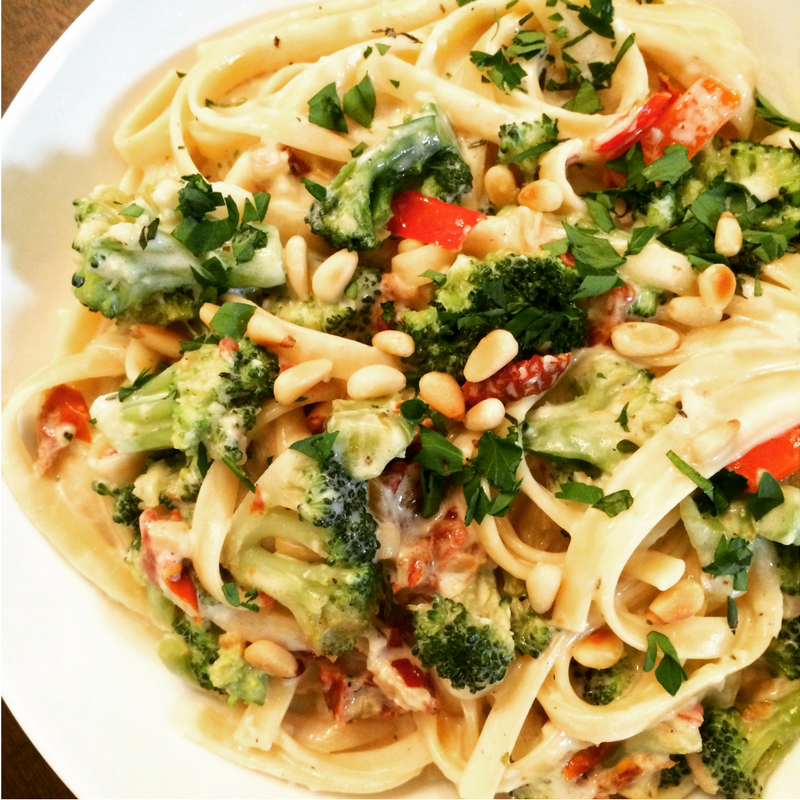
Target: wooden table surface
29 31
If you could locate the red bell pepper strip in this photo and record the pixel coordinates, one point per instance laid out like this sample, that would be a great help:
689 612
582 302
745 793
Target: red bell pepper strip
691 120
779 456
410 673
182 586
584 760
430 220
628 130
64 411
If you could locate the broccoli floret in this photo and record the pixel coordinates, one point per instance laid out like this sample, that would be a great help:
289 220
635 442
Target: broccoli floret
528 295
315 503
333 604
522 143
207 399
467 639
767 172
740 753
350 316
661 209
145 263
783 653
599 687
358 201
232 675
194 652
126 509
789 567
613 402
370 433
647 301
532 633
676 774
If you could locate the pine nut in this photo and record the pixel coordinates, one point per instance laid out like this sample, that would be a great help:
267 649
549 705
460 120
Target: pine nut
717 285
295 259
683 600
713 441
541 195
271 658
601 649
376 380
543 583
782 138
485 416
294 382
492 353
728 236
636 339
164 341
692 312
501 186
268 332
442 393
293 549
407 245
332 276
657 569
395 343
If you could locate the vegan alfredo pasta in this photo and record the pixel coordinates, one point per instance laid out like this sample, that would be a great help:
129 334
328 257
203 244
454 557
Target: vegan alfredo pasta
434 387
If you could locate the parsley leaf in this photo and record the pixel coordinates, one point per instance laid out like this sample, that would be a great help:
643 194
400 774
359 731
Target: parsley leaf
586 100
316 190
768 496
199 235
132 210
671 166
720 489
767 111
231 320
639 239
383 49
239 473
623 418
733 615
325 110
246 241
319 447
499 70
669 672
359 102
141 379
527 45
438 454
231 592
148 233
732 557
610 504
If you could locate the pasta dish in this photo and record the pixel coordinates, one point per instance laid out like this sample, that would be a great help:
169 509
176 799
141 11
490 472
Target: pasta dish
434 389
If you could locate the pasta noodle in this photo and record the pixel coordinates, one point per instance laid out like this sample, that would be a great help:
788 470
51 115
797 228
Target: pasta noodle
381 581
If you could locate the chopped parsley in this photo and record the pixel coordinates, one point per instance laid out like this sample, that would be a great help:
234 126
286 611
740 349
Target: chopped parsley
325 110
669 672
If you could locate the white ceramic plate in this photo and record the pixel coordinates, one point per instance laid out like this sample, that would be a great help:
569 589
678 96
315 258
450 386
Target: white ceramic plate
80 673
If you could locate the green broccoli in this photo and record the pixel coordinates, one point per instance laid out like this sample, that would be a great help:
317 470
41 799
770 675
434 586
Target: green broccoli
613 403
194 652
126 509
357 204
467 639
350 316
313 502
783 653
528 295
740 753
145 263
789 567
767 172
532 633
599 687
206 402
647 301
676 774
522 143
370 434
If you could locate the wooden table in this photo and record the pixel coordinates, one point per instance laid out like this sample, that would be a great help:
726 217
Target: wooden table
29 31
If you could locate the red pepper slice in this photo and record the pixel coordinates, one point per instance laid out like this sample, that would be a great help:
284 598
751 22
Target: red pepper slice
779 456
183 587
412 675
430 220
692 120
66 406
584 760
627 131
